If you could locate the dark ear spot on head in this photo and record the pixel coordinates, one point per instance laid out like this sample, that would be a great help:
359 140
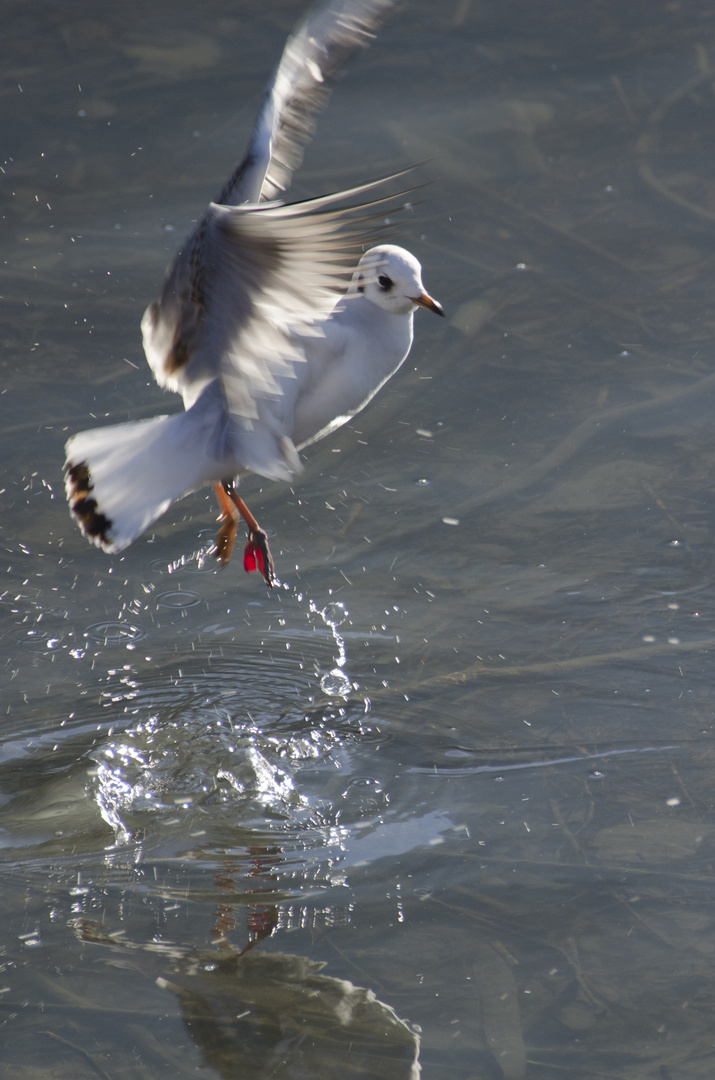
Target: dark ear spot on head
360 286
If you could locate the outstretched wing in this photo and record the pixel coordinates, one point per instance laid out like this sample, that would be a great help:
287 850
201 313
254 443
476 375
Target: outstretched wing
312 59
174 325
238 266
280 271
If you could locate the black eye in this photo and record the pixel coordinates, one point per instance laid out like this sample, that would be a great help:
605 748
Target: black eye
385 282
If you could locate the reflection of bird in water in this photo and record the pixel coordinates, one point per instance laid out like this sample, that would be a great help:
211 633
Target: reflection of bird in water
254 326
261 919
253 1015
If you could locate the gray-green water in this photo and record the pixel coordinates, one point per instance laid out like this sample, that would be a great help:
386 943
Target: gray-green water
466 766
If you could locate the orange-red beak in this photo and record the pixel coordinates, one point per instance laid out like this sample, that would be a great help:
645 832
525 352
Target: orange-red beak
426 301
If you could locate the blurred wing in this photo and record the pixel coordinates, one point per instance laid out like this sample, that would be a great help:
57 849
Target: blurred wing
279 271
312 59
271 264
173 324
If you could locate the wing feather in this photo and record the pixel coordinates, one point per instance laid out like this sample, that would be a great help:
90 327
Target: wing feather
313 58
283 263
290 264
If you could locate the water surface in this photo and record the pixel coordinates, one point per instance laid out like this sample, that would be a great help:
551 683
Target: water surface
462 756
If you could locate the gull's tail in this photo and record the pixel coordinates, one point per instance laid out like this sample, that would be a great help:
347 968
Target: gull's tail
120 479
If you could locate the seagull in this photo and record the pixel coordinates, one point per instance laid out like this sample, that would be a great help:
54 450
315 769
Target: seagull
271 324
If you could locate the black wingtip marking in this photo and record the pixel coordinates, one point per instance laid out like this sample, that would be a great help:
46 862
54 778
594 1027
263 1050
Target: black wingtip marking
92 521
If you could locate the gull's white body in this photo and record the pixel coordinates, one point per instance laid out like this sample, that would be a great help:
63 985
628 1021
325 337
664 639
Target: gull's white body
250 327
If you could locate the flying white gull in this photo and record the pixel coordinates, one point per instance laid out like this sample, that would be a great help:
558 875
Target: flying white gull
265 325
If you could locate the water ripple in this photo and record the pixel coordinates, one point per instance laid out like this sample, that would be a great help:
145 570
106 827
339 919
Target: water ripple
113 632
178 599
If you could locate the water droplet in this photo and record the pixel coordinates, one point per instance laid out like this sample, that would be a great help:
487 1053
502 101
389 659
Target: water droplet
336 684
334 614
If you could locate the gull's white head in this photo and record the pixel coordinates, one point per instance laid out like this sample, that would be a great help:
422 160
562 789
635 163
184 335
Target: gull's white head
391 278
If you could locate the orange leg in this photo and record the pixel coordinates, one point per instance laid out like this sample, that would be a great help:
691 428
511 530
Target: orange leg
257 554
227 533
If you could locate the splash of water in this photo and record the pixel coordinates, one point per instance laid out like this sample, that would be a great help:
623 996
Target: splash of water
335 683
